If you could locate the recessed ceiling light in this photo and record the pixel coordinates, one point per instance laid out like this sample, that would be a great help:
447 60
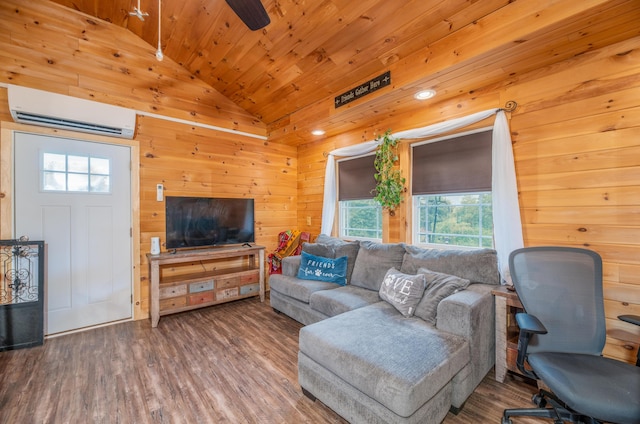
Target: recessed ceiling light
317 132
425 94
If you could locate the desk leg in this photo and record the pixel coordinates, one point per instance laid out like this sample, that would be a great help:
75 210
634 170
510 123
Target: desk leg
501 338
261 255
154 293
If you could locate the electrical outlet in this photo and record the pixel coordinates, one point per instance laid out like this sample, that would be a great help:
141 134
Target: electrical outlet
308 220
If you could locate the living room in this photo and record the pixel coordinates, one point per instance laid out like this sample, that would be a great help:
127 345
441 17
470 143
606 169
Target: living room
573 69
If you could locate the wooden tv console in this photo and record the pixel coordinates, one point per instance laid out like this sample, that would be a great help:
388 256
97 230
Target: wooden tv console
182 292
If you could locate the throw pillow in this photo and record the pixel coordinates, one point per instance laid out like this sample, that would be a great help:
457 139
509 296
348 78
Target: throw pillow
373 261
331 247
438 286
323 269
403 291
318 249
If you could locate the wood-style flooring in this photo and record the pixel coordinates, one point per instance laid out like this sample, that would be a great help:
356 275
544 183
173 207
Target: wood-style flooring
231 363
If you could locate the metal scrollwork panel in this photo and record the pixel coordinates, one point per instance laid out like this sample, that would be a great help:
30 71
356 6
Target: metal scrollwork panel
20 273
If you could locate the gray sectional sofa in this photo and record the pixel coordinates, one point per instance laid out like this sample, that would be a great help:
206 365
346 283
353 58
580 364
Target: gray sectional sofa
380 350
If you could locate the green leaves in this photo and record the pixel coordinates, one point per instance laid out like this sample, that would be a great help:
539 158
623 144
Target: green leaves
390 183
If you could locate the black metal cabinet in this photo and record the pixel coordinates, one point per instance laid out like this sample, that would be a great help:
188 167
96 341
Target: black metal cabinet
22 269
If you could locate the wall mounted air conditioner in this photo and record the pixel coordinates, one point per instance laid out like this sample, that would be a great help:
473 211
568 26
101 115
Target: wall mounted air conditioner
36 107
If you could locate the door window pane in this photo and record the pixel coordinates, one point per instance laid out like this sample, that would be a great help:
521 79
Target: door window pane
99 184
78 164
100 166
54 162
54 181
77 182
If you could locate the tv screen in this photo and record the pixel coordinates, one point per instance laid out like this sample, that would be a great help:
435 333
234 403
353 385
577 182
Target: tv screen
204 221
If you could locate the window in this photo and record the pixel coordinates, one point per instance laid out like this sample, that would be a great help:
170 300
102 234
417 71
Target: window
451 188
74 173
360 215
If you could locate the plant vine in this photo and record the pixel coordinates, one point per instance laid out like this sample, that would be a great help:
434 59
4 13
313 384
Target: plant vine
389 181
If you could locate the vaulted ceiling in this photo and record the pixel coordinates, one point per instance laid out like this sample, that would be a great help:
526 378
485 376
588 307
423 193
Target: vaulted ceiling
313 50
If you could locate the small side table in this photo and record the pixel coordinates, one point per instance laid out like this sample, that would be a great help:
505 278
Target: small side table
507 306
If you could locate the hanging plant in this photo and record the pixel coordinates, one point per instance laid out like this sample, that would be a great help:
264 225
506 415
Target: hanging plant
389 182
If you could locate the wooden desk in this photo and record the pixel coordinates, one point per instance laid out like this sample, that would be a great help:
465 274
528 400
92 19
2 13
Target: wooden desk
507 305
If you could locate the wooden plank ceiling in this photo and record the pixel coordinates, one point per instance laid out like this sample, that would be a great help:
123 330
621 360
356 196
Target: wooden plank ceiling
288 73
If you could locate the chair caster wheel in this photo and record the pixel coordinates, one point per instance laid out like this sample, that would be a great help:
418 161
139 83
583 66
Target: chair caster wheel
539 400
506 420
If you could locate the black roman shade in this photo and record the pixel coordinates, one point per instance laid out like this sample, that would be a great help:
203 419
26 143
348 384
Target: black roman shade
455 165
355 178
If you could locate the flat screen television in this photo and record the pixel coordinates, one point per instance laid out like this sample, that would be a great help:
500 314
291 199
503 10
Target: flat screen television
205 221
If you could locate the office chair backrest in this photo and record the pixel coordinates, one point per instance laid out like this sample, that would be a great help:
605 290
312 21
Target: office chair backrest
562 287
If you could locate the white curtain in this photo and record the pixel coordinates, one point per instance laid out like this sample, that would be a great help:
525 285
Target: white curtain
330 187
507 227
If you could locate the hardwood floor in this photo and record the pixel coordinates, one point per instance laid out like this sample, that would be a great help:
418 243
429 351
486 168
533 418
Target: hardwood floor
231 363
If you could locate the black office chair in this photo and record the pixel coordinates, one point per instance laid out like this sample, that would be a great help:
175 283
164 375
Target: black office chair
562 333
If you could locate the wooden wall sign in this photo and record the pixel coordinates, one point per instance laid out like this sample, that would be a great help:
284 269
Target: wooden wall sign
363 89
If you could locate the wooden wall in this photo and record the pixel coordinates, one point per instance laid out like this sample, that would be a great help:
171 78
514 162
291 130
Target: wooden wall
48 47
576 135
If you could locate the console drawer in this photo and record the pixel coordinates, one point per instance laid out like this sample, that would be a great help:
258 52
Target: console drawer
172 303
201 286
173 291
197 299
250 289
228 293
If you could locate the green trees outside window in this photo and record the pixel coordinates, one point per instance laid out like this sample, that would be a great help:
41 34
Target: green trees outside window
454 219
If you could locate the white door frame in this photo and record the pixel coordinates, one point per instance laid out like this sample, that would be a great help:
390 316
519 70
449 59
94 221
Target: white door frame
7 130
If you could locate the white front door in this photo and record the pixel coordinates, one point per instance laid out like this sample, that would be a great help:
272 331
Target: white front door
76 196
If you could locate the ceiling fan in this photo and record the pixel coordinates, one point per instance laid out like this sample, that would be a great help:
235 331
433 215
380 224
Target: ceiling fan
251 12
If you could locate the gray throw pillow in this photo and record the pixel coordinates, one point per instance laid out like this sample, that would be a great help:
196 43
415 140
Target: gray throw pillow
373 262
403 291
477 265
318 249
438 286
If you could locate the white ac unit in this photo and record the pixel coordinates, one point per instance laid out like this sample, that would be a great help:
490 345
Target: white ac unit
36 107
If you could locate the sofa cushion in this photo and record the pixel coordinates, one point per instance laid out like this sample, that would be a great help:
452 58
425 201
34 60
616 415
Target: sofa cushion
373 262
342 299
477 266
332 247
319 268
400 362
403 291
318 249
438 286
296 288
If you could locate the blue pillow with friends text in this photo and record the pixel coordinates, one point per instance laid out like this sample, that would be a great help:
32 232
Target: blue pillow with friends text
319 268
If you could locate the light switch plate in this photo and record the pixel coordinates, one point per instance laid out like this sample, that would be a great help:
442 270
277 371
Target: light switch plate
159 192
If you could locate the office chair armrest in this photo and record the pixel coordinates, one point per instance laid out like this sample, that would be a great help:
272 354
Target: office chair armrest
633 319
529 325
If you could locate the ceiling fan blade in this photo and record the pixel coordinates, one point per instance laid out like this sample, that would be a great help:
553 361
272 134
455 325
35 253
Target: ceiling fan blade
251 12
